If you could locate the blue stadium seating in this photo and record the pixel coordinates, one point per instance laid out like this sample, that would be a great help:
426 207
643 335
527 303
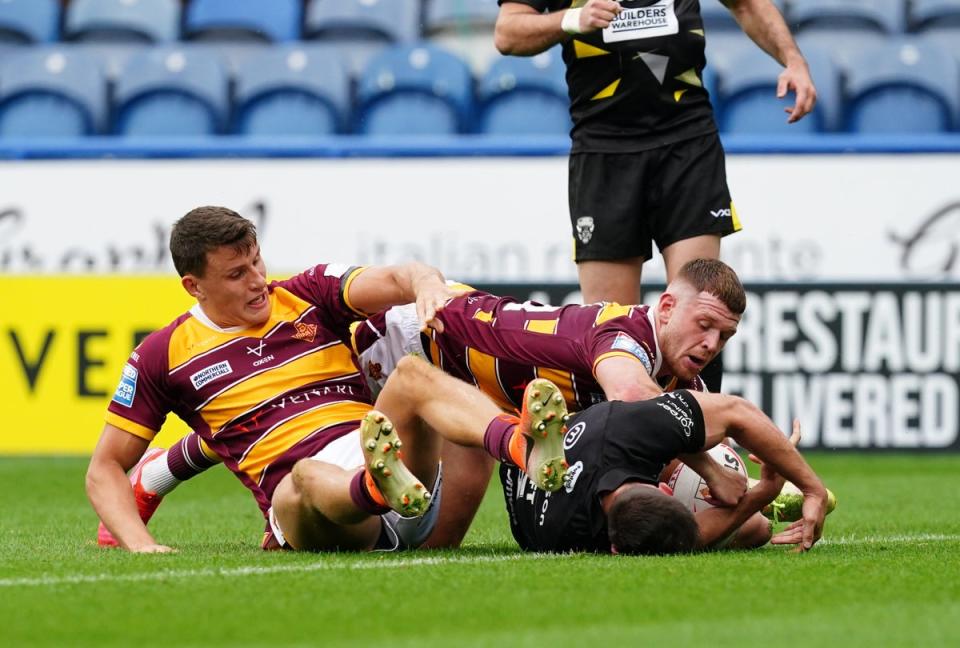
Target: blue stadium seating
363 28
525 95
294 90
122 21
908 86
935 14
51 92
717 17
395 21
884 16
243 20
842 45
29 21
414 90
460 15
748 102
171 91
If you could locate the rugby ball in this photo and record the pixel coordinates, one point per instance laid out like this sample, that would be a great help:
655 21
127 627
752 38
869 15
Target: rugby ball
691 490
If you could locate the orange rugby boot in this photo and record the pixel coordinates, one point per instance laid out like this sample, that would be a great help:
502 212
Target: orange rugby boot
147 502
543 421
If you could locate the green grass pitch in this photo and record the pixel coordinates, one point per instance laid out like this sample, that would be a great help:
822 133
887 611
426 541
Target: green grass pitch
886 574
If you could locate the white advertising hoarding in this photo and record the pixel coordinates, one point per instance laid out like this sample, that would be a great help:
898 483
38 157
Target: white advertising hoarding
806 218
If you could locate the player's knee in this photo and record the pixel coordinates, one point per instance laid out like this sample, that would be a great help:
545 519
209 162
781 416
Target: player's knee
411 371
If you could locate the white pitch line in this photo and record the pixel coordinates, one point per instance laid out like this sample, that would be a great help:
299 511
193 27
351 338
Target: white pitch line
361 565
358 565
896 539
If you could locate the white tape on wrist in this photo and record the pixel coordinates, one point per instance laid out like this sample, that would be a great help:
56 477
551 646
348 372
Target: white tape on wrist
571 21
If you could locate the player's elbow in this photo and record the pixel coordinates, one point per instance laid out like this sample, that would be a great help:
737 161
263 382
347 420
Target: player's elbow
630 393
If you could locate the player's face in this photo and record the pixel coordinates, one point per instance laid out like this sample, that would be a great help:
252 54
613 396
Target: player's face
696 327
233 290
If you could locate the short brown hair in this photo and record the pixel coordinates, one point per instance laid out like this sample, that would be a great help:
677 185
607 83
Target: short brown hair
203 230
646 521
718 279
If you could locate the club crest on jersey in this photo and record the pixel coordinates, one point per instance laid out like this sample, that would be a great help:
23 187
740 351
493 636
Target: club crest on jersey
624 342
305 332
211 373
585 229
127 388
374 370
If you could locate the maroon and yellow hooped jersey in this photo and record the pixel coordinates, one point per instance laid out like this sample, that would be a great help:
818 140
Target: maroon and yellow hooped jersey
261 398
500 344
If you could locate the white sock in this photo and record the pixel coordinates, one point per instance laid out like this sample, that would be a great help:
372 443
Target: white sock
157 478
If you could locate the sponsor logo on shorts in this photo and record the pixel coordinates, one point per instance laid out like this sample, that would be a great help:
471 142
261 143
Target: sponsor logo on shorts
335 270
127 388
211 373
585 229
624 342
573 474
721 213
573 435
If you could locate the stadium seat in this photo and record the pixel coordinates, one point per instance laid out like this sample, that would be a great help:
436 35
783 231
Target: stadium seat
243 20
171 91
24 22
526 95
364 28
717 17
414 89
464 27
842 45
908 86
935 14
883 16
747 101
51 92
294 90
122 21
460 15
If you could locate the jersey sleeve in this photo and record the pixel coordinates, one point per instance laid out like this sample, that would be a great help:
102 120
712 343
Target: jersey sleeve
142 399
326 286
628 337
643 436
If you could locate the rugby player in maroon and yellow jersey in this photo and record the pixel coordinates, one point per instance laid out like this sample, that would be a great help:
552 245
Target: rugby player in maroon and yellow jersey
262 371
594 352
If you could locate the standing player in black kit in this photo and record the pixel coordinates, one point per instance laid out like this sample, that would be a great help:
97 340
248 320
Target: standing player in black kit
646 163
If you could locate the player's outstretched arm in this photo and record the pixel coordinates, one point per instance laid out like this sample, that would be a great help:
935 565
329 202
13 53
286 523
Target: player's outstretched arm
763 23
109 490
378 288
751 428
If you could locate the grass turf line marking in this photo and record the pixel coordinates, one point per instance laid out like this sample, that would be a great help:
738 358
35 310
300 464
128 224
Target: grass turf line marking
272 569
390 564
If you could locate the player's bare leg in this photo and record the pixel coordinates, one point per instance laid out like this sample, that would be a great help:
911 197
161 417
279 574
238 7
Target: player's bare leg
677 254
314 508
466 476
612 281
419 394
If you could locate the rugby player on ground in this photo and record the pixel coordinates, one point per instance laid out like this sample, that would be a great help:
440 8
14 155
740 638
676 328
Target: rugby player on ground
610 500
595 352
261 371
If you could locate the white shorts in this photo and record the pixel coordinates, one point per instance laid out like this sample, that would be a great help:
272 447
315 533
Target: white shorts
397 532
401 338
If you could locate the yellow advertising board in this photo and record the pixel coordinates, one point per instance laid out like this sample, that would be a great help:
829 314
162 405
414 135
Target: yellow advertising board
63 343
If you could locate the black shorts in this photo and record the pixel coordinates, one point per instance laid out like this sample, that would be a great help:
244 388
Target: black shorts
620 202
